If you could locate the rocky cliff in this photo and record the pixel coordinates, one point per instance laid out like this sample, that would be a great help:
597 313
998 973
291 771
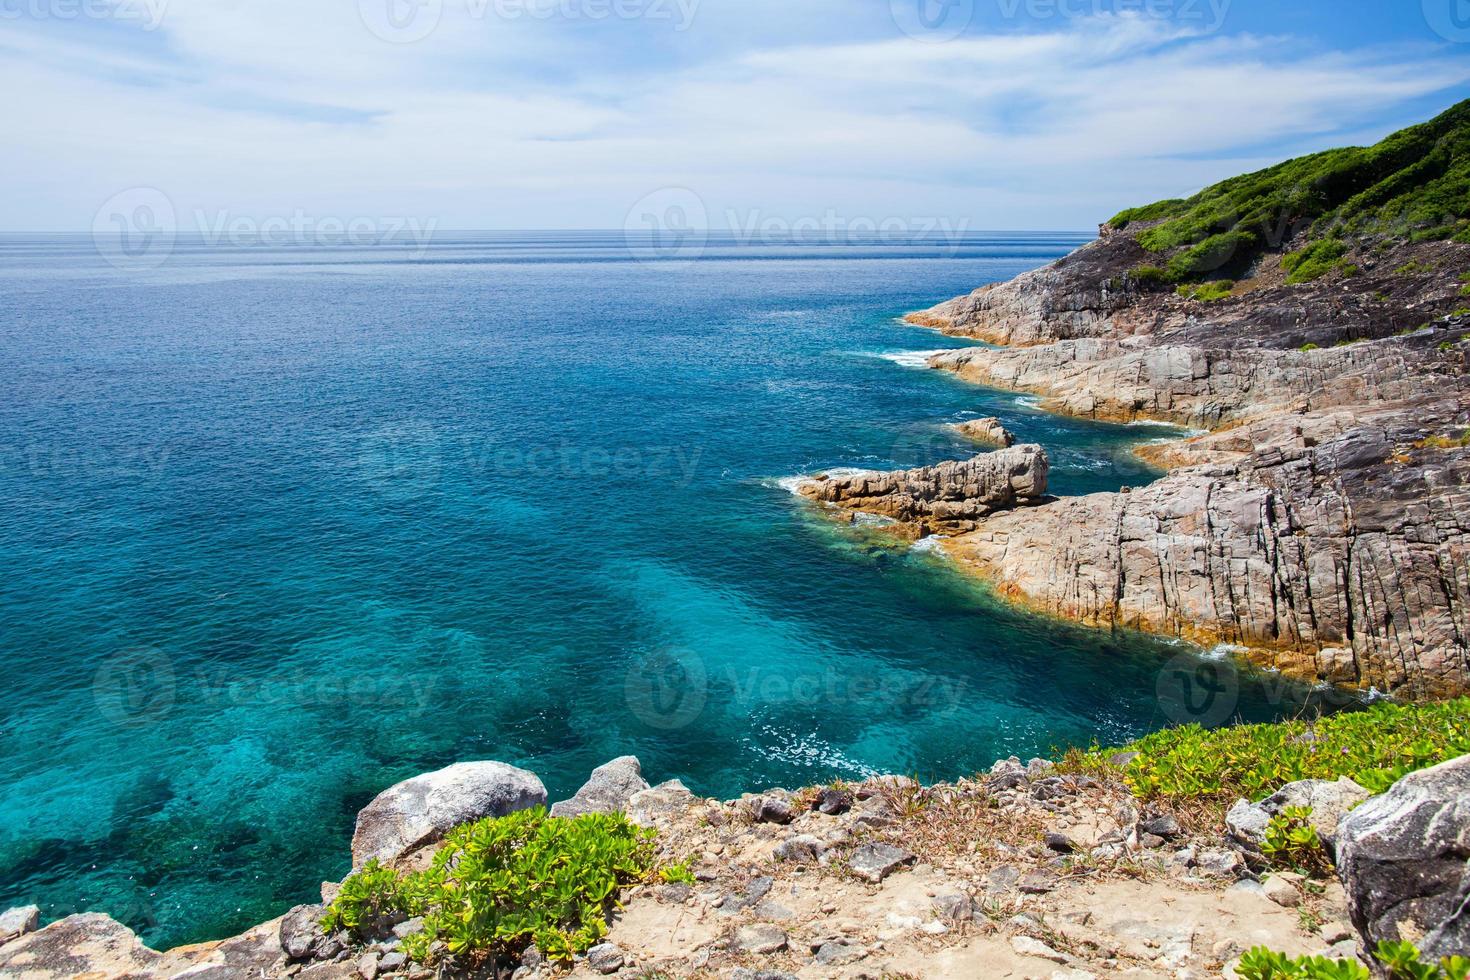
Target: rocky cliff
1321 522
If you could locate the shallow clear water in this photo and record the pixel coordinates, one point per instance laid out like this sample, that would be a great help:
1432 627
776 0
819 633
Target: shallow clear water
283 526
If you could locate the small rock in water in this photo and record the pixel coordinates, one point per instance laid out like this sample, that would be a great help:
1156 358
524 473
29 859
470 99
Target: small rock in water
874 862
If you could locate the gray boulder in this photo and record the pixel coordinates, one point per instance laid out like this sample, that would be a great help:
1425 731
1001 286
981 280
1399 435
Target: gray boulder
1330 801
609 790
19 921
421 810
1404 860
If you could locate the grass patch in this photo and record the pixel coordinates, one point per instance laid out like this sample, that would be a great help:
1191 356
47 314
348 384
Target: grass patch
1149 276
1374 747
1314 261
500 885
1208 292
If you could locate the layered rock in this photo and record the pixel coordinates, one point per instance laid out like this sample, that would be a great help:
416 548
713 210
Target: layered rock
1321 522
949 496
611 788
987 430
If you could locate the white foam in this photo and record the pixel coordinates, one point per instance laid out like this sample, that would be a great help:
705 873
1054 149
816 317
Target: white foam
1224 651
791 483
915 358
932 545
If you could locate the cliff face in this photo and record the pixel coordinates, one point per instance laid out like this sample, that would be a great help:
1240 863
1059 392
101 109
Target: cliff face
1322 520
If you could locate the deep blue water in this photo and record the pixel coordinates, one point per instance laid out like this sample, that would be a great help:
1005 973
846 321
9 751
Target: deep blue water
281 526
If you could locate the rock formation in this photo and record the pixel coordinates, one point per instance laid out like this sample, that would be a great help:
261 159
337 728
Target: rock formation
987 430
950 496
1323 523
1404 858
420 811
610 789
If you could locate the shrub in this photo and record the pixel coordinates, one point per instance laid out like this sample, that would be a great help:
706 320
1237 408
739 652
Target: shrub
1208 292
1400 962
501 885
1292 842
1314 261
1211 255
1308 347
1374 746
1149 276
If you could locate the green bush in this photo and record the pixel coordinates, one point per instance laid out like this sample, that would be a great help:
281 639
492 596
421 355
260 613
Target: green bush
1314 261
1211 255
1292 842
1208 292
1374 746
1149 275
500 885
1400 962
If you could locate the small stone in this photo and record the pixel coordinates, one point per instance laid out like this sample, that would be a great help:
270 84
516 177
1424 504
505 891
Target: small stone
1060 843
802 849
833 802
770 809
1026 946
1002 879
605 958
675 894
874 862
391 961
758 939
840 952
1037 883
1333 933
773 910
19 921
952 908
1152 841
532 957
1220 863
1282 892
1166 826
367 966
408 927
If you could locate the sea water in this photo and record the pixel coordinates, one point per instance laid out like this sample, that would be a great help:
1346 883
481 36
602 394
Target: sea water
280 526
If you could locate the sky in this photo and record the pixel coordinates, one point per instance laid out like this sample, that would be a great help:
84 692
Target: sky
549 114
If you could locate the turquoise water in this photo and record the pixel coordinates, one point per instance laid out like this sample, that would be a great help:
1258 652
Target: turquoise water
282 526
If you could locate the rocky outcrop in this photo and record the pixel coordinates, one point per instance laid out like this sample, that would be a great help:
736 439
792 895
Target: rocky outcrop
86 945
610 789
1329 801
987 430
420 811
1324 520
1404 858
950 496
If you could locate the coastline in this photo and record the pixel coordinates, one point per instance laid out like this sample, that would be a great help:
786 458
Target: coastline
1310 518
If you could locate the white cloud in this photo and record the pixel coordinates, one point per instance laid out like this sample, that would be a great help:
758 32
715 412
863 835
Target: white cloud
271 106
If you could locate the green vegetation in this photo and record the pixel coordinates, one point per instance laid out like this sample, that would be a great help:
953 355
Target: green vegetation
1314 261
1208 292
1374 747
1414 185
1149 275
1292 842
501 885
1414 268
1307 347
1400 962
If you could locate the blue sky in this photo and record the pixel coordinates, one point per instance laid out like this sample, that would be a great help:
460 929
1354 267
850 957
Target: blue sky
1046 114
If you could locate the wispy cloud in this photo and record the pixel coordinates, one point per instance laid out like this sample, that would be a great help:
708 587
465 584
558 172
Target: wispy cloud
273 106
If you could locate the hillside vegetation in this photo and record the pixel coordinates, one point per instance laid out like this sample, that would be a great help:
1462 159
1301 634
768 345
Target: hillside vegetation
1414 186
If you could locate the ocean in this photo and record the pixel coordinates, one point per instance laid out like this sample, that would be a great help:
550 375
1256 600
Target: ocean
282 525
